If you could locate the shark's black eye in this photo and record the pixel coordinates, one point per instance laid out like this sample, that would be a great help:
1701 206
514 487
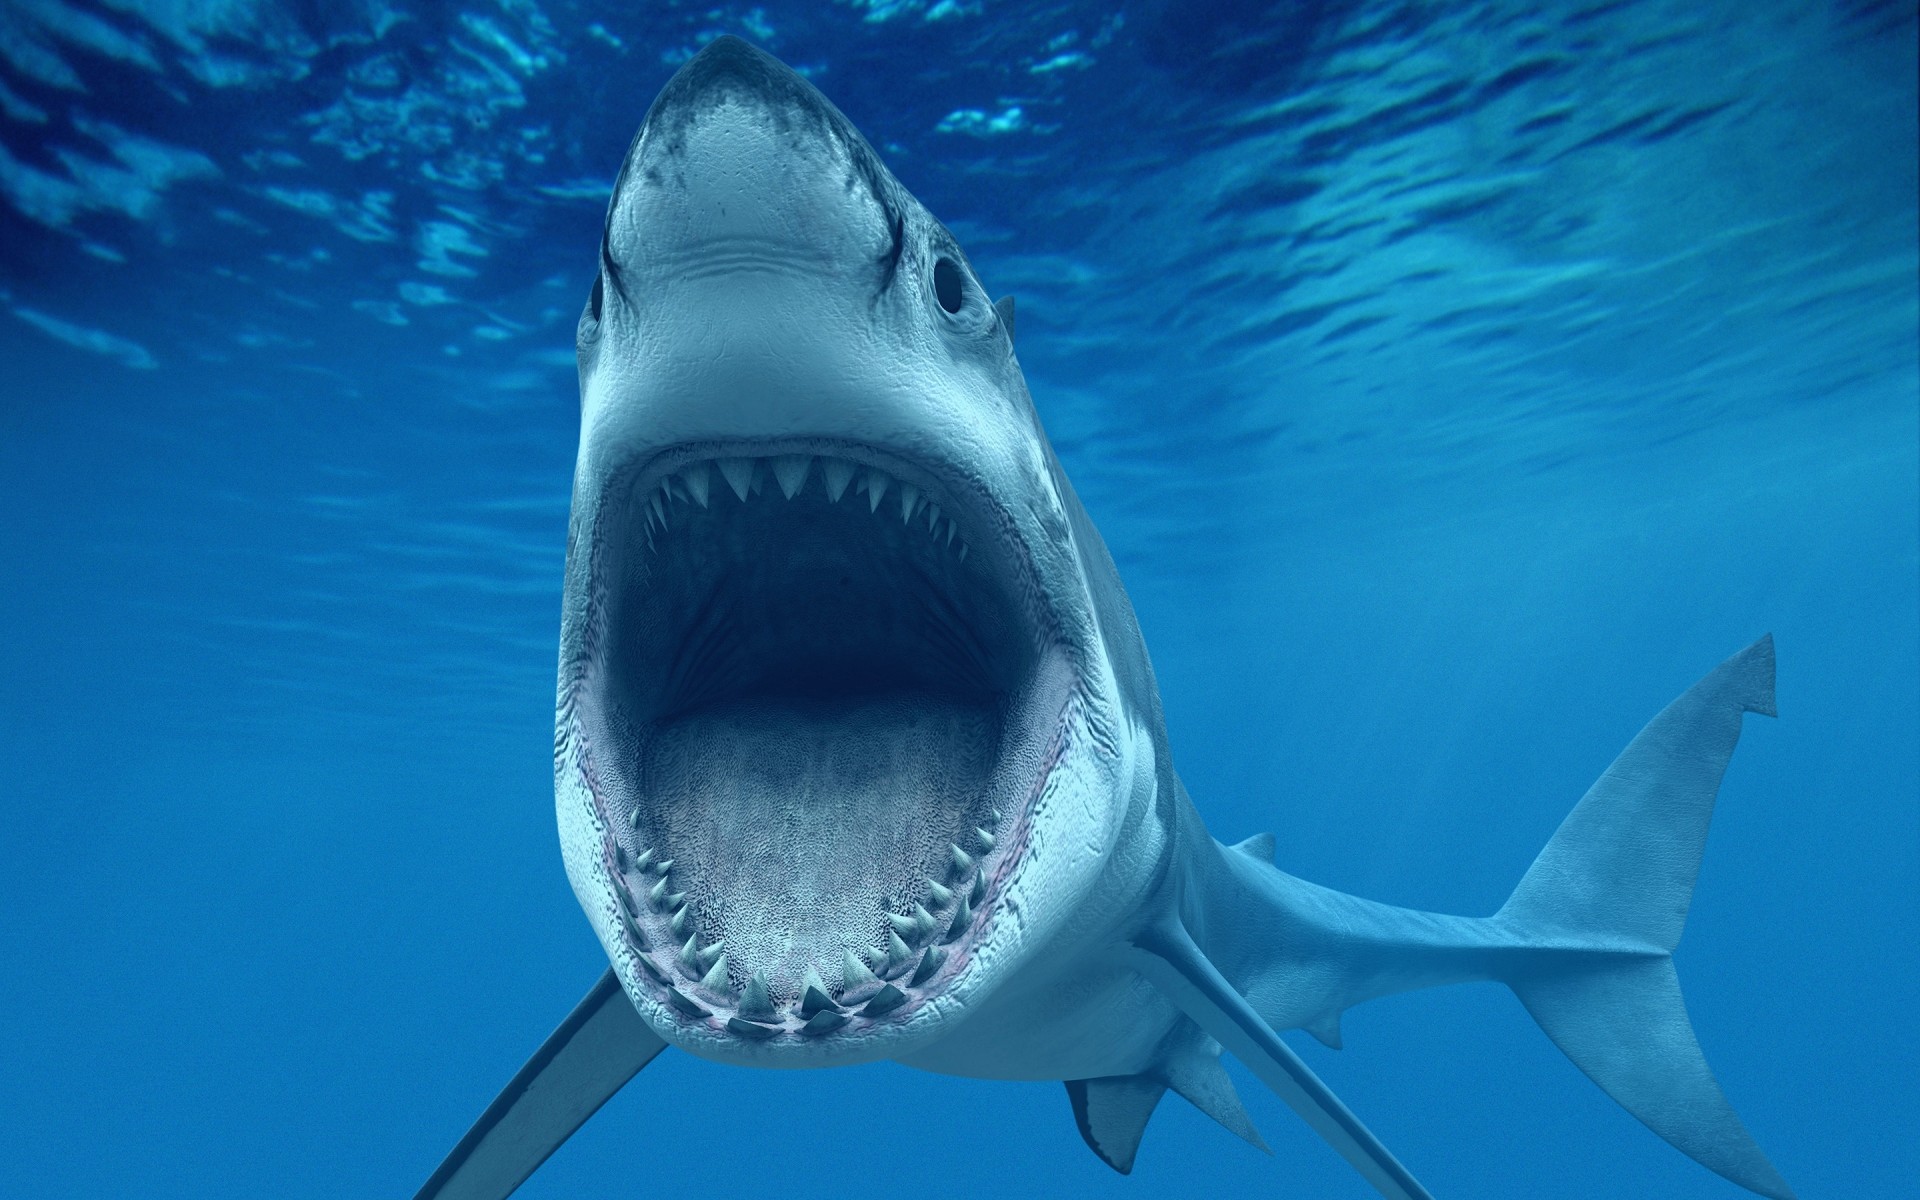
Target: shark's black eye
593 302
947 286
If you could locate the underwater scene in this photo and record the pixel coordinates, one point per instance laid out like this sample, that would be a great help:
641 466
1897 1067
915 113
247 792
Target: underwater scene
1453 385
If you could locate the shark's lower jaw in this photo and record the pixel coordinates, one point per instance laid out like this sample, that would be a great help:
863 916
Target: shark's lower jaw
819 696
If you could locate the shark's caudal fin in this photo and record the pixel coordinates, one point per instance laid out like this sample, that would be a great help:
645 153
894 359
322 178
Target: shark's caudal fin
1613 886
602 1044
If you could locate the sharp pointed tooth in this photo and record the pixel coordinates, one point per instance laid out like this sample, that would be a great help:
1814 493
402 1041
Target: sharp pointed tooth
898 953
902 922
959 862
951 530
791 472
714 951
923 922
930 963
715 980
837 472
695 479
909 500
686 1004
658 507
939 893
815 999
986 841
682 922
689 958
933 518
885 1000
633 818
854 972
877 482
738 472
757 1000
979 891
962 917
963 552
646 856
627 902
823 1022
664 865
657 894
634 933
747 1029
653 970
814 995
620 859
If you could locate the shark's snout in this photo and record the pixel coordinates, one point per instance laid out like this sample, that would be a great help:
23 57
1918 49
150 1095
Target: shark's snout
743 163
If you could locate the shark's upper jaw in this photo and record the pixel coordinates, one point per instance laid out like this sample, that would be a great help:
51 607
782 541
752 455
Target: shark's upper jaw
821 697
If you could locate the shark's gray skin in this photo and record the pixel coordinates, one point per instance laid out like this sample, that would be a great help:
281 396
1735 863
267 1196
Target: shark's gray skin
859 754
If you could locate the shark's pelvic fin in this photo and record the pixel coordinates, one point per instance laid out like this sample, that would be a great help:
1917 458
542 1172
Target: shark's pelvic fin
1112 1113
1202 1082
1326 1030
1168 958
1618 875
602 1044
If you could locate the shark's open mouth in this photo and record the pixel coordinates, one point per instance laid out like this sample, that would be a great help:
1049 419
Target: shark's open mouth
820 696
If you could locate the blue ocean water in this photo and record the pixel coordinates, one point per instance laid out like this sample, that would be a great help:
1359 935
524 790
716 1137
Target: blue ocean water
1454 384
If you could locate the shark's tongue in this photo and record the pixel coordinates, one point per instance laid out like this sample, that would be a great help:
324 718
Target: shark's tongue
795 822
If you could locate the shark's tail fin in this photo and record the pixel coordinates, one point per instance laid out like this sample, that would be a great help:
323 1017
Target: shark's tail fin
1612 887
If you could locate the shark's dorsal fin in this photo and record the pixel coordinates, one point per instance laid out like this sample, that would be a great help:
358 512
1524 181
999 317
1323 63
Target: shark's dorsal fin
1003 308
602 1044
1169 959
1112 1113
1259 846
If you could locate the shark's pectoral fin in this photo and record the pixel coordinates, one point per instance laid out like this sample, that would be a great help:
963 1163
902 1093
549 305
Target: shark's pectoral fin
602 1044
1170 960
1112 1113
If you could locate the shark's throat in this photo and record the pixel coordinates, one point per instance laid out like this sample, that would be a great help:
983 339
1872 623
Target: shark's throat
819 705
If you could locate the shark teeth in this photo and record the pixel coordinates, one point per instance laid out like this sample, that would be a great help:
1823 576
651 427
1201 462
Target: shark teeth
930 964
695 479
738 472
790 472
756 1002
837 473
745 476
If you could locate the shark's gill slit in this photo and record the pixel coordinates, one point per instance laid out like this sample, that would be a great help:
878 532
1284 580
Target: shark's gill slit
820 699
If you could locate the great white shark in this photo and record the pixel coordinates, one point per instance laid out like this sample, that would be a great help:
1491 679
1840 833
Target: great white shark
858 753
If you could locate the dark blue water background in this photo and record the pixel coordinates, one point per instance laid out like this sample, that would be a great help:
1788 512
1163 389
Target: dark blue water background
1454 383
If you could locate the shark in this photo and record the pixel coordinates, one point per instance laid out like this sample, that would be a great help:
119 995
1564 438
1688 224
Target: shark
858 752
